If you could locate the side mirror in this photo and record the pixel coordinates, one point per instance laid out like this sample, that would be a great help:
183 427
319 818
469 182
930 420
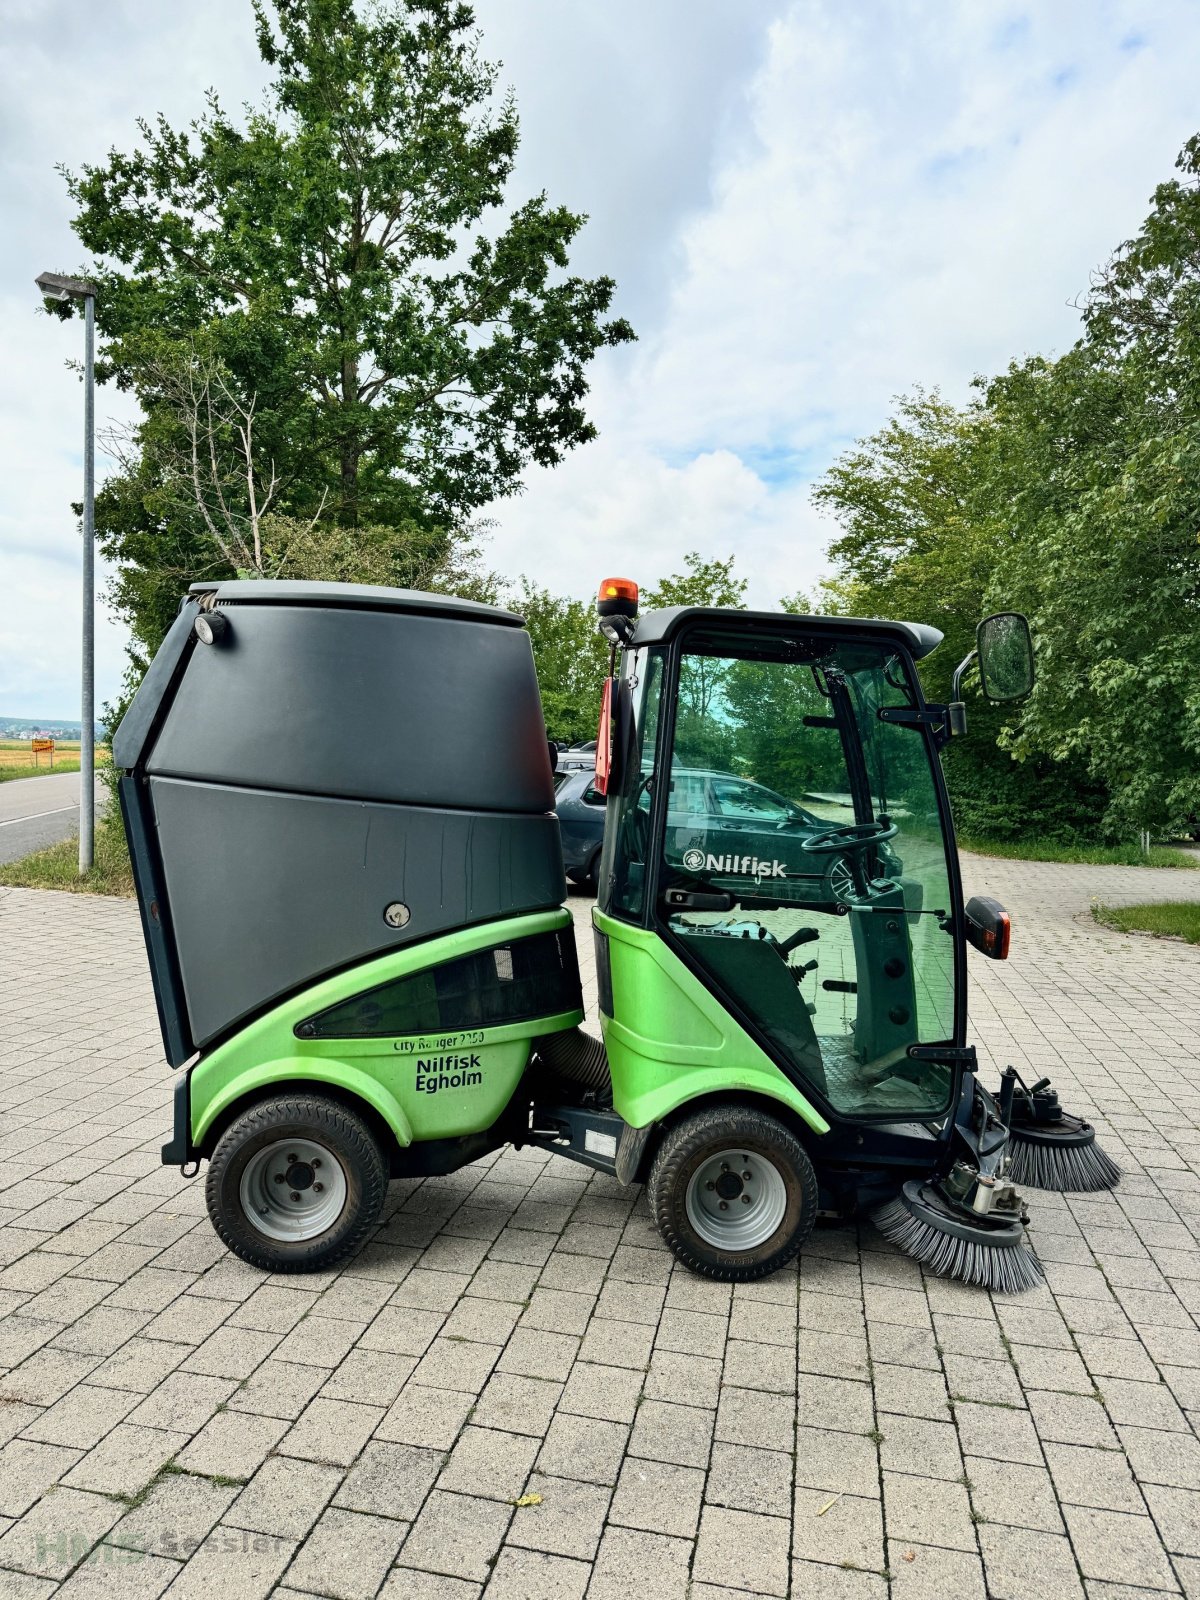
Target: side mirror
1005 654
988 926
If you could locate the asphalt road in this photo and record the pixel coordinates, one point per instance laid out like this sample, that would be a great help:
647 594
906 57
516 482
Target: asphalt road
36 812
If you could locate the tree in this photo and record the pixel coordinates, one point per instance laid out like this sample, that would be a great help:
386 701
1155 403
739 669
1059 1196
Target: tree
570 656
343 258
701 737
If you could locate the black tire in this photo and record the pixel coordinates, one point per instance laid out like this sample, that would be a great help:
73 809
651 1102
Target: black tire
704 1140
591 878
245 1149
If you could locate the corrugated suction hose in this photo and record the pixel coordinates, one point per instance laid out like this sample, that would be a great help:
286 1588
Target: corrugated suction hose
576 1056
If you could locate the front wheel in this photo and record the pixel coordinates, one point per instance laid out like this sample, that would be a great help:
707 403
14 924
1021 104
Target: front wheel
733 1193
296 1183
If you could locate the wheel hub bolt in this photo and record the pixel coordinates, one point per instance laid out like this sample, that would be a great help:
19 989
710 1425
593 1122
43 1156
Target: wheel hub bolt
746 1175
291 1159
319 1188
724 1205
710 1186
279 1177
724 1166
745 1199
315 1162
295 1196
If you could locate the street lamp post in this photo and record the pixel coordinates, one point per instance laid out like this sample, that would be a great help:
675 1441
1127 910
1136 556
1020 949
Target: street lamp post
55 287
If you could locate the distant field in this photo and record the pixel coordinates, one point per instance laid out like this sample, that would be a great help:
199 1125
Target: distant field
18 761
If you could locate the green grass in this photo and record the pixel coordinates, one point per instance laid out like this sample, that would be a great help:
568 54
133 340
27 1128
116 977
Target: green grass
1177 919
58 866
1096 855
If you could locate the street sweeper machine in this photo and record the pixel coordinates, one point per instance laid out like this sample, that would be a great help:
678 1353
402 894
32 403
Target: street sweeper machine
340 808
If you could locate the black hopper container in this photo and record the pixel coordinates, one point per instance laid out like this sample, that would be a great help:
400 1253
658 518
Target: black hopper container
342 770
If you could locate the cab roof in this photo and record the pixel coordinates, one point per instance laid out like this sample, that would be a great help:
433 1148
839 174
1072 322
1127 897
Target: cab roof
657 627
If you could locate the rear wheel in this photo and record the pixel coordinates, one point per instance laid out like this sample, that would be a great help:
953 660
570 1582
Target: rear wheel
296 1183
733 1193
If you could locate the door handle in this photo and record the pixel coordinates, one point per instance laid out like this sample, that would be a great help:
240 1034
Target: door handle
698 900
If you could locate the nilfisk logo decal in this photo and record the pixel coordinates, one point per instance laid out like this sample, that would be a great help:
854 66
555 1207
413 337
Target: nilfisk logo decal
734 866
447 1072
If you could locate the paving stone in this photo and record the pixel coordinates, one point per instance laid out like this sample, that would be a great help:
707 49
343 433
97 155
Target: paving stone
27 1469
490 1464
567 1521
1177 1514
57 1533
1116 1547
368 1377
126 1461
456 1364
533 1575
812 1580
609 1393
232 1562
1168 1458
997 1432
1024 1565
278 1389
114 1571
760 1366
232 1445
1022 1497
750 1480
532 1353
1098 1478
83 1417
837 1529
744 1550
456 1534
835 1403
617 1344
584 1448
284 1497
912 1392
430 1417
176 1516
1071 1419
658 1497
917 1445
921 1572
685 1380
183 1402
407 1584
671 1433
846 1463
660 1564
347 1555
331 1430
928 1511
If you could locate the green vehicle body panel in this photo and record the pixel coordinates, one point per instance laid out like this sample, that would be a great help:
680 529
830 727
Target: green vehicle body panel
675 1041
393 1075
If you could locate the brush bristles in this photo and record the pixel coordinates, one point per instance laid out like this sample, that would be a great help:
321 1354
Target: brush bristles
1008 1269
1064 1168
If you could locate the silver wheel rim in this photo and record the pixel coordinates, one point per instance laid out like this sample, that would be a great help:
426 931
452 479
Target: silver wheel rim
293 1189
736 1200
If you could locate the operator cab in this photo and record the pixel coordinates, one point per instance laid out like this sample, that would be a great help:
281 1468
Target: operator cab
777 815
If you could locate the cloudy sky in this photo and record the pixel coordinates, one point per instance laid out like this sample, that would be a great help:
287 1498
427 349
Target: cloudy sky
809 206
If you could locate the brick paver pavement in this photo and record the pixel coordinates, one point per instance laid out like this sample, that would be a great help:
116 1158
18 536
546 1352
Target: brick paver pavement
172 1421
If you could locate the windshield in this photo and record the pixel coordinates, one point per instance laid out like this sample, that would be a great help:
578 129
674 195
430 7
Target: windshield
794 796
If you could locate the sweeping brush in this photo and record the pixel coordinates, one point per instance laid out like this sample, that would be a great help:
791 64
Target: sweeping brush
992 1254
1064 1157
1049 1148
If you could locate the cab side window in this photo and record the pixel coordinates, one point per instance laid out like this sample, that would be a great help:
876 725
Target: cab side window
593 797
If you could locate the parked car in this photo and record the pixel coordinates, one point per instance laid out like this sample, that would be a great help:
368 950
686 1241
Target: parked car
580 757
580 808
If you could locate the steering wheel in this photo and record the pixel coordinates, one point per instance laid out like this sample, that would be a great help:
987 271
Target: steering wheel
853 836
